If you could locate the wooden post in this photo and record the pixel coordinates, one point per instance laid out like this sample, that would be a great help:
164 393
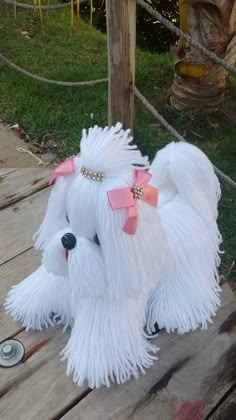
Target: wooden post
121 35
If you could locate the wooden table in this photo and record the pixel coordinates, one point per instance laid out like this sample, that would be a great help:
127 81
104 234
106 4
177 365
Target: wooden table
194 379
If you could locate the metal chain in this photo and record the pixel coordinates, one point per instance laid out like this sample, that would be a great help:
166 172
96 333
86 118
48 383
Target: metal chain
175 133
186 37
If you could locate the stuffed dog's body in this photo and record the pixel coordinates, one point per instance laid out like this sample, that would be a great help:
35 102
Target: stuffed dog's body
114 263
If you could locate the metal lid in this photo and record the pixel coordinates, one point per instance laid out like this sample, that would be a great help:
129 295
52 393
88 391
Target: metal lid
11 353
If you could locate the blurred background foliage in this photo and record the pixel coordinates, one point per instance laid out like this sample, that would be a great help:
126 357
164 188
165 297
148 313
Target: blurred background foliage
151 34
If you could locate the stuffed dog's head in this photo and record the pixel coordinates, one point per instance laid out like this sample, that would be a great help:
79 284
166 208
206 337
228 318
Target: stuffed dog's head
82 236
79 261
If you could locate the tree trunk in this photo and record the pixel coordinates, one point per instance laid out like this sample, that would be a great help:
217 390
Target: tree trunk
198 82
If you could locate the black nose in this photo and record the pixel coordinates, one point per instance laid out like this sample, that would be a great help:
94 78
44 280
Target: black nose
68 241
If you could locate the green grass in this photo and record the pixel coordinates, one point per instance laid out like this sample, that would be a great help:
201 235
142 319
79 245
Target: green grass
58 114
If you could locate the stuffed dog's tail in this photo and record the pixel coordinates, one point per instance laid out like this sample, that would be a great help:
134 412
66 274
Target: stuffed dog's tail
181 168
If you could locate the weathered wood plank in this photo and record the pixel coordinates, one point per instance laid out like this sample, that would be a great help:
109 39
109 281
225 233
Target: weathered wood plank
38 388
189 367
227 410
18 224
196 388
121 30
12 273
21 183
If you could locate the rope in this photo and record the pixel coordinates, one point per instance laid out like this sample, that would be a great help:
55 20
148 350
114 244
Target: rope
50 81
175 133
34 7
136 92
186 37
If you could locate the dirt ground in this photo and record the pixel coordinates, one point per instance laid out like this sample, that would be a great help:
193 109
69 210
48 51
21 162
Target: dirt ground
10 157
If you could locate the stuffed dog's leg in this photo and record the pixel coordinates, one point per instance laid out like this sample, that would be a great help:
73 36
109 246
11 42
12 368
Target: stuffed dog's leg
45 295
34 301
188 295
107 342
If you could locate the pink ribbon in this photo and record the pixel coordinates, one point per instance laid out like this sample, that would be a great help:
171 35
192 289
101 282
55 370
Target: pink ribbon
64 169
124 198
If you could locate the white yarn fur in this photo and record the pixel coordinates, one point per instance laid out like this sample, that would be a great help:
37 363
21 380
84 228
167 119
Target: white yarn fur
34 301
165 273
107 342
188 294
55 217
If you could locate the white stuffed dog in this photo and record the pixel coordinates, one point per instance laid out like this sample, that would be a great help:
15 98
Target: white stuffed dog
123 250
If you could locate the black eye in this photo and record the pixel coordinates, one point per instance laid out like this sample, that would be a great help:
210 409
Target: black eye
96 240
67 218
68 241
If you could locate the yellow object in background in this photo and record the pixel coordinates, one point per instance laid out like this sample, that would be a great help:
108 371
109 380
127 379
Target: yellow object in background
71 13
196 70
40 14
78 11
91 12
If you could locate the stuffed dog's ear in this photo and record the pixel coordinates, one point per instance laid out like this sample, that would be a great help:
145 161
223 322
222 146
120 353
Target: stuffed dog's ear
55 217
129 267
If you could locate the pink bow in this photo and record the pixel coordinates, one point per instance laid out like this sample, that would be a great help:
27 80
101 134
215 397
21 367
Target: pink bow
125 198
65 168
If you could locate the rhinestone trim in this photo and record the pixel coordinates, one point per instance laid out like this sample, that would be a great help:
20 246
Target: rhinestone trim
138 192
94 176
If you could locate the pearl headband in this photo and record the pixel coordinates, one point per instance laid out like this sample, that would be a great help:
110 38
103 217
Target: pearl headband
95 176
